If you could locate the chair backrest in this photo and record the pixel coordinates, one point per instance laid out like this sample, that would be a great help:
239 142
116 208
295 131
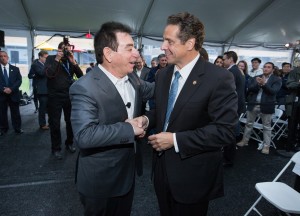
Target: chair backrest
295 159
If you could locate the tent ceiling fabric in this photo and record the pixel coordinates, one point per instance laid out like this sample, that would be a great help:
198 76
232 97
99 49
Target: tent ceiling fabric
236 21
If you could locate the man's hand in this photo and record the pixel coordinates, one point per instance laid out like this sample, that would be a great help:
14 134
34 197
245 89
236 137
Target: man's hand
137 127
59 55
260 81
142 122
7 90
161 141
71 58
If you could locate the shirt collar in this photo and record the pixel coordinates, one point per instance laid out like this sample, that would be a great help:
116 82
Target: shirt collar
186 70
114 79
6 66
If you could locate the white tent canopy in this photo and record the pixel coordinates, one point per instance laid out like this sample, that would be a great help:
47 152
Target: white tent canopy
256 22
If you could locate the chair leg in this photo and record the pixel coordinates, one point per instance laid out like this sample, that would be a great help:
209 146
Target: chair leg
253 207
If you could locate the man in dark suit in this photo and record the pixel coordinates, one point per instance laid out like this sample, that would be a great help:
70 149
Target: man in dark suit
229 61
142 72
37 73
262 97
104 103
188 169
10 81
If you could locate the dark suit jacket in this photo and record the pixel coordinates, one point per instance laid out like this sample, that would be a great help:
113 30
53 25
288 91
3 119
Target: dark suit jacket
203 118
268 97
15 81
239 80
144 73
39 77
106 163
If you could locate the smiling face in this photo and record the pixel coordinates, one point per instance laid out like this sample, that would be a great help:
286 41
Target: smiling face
176 52
241 66
219 62
123 60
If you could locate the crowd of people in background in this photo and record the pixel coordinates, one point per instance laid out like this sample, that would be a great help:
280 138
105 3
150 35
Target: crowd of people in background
265 89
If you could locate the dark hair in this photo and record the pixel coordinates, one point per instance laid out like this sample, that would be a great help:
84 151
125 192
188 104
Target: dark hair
286 63
232 54
189 26
60 45
246 66
155 59
271 63
219 57
161 56
106 37
256 59
42 53
204 54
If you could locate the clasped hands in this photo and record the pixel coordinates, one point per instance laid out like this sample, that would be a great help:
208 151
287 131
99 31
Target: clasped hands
139 125
160 142
260 81
7 90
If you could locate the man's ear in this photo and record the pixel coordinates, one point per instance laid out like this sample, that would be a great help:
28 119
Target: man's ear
190 43
107 53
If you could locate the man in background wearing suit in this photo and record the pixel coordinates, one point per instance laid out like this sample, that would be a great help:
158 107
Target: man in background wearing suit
140 70
104 103
10 81
37 73
229 61
195 116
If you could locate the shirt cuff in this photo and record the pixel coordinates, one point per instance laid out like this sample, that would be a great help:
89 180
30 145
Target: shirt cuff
147 120
175 143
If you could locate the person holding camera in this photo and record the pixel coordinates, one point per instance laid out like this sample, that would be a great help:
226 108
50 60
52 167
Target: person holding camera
60 70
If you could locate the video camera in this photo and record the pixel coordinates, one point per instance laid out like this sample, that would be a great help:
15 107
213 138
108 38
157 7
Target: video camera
66 43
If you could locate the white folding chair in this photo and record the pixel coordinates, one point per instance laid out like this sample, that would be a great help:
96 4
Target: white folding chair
279 194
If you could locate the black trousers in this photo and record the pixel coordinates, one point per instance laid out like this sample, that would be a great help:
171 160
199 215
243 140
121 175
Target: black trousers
112 206
293 122
35 97
168 206
55 107
6 102
43 100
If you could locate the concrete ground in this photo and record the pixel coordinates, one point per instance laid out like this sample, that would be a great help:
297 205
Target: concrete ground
33 183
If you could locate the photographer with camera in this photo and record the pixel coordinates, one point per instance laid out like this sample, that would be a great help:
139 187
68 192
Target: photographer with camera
60 69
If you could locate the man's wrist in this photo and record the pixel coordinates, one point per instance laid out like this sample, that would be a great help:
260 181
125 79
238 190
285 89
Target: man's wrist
147 121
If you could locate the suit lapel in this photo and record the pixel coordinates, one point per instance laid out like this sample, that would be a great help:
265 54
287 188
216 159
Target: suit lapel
2 75
189 89
104 83
164 93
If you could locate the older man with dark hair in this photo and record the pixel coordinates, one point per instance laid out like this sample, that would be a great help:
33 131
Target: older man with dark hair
104 103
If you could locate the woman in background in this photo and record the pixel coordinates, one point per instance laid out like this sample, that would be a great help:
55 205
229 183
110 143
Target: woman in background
219 61
243 66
